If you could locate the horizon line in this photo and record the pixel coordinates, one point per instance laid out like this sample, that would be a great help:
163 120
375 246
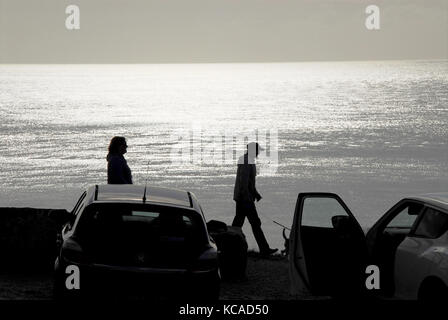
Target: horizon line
222 62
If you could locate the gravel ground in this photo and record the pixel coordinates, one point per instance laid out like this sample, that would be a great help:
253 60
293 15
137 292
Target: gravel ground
26 287
267 279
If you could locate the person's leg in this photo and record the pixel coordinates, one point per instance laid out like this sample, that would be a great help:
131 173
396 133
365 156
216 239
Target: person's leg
255 223
240 215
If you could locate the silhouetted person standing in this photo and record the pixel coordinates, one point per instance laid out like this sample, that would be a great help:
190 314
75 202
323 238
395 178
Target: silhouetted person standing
245 195
118 171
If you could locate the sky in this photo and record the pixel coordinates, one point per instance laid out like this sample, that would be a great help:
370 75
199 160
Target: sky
190 31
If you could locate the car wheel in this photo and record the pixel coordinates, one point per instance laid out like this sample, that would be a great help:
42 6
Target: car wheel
433 289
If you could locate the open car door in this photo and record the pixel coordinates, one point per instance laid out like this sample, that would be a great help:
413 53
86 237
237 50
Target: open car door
328 249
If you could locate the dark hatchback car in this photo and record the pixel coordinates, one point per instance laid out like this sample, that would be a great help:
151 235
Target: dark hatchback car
126 242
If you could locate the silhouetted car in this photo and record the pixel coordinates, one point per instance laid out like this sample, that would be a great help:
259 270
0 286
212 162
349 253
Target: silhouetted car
127 244
409 244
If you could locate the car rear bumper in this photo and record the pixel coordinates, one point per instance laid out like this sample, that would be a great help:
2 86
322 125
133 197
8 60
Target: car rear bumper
103 281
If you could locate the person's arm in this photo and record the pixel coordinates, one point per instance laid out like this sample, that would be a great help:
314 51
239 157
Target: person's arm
256 194
127 173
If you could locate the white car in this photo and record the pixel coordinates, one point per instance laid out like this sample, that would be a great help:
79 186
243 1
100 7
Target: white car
329 252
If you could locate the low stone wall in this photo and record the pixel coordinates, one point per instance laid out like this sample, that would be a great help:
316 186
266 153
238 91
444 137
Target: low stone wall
28 243
27 240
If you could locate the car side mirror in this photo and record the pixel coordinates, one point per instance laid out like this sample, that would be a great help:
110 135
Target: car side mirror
342 224
60 216
414 209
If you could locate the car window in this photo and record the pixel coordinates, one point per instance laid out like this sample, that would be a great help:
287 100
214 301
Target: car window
141 234
406 216
318 211
147 214
126 222
432 225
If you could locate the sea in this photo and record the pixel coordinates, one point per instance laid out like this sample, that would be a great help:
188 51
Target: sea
372 132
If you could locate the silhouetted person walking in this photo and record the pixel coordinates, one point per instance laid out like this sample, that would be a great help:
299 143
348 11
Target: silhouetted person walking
245 195
118 171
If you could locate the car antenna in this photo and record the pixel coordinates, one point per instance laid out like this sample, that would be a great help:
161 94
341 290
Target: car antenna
146 182
277 223
281 225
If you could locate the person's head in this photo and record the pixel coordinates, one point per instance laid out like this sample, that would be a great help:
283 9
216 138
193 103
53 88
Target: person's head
253 149
118 145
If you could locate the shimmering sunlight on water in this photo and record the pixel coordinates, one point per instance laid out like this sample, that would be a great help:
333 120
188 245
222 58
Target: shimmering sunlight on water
372 132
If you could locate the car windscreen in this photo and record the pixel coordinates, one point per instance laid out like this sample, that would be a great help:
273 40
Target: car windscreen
141 235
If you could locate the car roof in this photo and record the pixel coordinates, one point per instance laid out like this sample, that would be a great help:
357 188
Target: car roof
127 193
439 200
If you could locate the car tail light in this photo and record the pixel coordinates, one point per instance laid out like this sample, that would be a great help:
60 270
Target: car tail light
208 260
72 252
